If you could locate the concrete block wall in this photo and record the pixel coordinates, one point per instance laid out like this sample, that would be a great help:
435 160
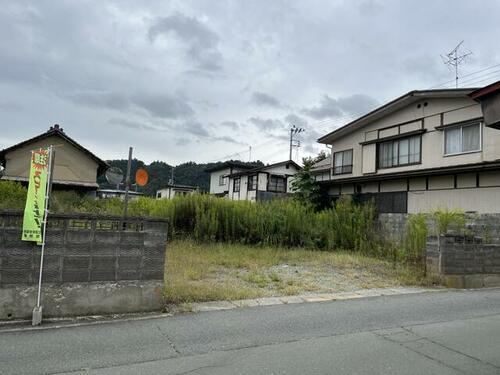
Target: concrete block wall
92 253
467 257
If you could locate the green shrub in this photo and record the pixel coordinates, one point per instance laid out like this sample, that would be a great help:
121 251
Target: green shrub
448 219
415 241
12 195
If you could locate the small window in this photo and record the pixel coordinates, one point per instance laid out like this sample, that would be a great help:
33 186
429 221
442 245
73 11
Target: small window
399 152
462 139
158 195
252 182
236 187
277 184
222 180
342 162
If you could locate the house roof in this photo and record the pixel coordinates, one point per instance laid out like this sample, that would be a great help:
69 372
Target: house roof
264 167
57 131
392 106
179 186
485 91
229 164
322 164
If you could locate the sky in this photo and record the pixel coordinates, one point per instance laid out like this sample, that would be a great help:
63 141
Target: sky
206 80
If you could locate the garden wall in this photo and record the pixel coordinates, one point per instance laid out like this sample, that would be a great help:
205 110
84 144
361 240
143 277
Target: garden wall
467 257
93 264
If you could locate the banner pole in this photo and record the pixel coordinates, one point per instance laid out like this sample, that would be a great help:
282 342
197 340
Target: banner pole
37 313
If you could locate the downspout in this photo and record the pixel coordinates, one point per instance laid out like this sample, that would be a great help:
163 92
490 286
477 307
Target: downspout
331 159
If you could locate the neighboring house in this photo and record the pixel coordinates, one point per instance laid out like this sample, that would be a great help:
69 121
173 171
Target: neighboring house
219 181
423 151
263 183
114 193
75 168
172 190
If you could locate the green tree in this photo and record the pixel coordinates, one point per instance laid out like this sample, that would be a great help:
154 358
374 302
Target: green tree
305 185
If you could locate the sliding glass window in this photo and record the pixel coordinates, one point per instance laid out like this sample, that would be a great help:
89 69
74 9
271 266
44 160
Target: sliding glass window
400 152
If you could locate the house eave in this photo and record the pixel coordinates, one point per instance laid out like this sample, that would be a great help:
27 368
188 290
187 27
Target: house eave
393 106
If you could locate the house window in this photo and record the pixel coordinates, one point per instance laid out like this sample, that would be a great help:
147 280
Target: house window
277 184
158 195
399 152
462 139
342 162
222 180
252 182
236 183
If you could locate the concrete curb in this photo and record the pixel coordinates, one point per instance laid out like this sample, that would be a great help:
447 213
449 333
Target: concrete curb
56 323
307 298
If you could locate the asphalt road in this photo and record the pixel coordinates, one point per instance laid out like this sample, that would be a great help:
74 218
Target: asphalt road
452 332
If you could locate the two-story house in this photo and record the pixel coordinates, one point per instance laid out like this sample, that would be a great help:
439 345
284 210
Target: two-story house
219 181
423 151
263 183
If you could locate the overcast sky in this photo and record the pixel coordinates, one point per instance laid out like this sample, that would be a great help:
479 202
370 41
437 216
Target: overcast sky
202 80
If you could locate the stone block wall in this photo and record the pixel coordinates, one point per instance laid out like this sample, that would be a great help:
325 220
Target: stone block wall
86 252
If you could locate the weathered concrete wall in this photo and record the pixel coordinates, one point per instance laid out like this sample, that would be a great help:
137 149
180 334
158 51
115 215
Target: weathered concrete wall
393 226
467 257
80 299
92 264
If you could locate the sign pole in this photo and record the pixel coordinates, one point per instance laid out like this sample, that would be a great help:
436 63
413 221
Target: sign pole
37 311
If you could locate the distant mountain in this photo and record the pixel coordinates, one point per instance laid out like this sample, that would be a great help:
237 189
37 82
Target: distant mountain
189 173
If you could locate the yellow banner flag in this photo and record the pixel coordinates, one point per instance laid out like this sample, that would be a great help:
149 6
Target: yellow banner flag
35 201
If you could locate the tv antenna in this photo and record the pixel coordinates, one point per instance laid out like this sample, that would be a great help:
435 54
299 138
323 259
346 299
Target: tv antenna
293 142
454 58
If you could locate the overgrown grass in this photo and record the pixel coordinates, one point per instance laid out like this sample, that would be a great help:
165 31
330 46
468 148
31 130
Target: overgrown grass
208 272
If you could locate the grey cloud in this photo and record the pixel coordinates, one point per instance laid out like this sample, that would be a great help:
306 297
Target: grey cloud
230 124
227 139
108 100
370 8
157 105
201 41
182 141
134 125
196 128
262 99
163 105
353 105
267 124
293 119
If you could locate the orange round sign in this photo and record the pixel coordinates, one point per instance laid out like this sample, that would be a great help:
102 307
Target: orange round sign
141 177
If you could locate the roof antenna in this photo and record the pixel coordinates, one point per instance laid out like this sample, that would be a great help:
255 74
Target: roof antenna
455 58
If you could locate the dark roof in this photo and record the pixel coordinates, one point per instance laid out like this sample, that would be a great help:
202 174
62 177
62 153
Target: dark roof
179 186
229 164
253 170
392 106
485 91
57 131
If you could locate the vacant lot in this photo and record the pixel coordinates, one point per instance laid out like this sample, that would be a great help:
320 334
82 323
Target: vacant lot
199 272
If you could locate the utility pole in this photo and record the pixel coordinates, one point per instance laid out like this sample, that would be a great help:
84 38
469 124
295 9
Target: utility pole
127 184
455 58
172 175
293 131
249 153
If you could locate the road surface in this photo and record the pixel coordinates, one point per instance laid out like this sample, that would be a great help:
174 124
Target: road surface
450 332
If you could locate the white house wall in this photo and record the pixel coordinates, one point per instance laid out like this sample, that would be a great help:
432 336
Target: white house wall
215 188
432 141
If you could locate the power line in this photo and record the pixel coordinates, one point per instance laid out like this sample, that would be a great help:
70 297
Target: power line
465 75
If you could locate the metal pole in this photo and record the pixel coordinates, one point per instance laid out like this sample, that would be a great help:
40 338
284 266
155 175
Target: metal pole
291 139
37 313
127 182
